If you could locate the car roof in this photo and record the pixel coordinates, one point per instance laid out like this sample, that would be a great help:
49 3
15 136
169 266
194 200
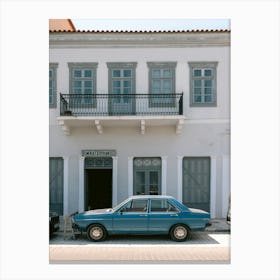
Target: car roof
151 196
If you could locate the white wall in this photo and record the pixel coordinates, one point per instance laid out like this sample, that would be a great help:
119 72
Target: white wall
205 133
142 55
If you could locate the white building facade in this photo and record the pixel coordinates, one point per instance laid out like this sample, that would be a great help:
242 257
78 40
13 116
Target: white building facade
139 113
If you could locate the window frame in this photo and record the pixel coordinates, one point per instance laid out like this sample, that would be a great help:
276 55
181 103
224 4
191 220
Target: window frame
83 66
123 101
147 170
203 66
162 66
53 67
122 66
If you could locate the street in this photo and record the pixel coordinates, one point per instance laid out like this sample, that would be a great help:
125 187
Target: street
202 247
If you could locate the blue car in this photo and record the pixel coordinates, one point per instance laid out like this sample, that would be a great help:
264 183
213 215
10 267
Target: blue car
142 214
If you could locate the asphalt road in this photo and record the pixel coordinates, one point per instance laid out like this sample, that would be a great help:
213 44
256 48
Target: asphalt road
202 247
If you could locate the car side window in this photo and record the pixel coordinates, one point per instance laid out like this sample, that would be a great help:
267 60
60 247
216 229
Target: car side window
135 205
162 205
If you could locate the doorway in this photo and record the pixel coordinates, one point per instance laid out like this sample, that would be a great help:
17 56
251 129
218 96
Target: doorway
56 185
196 182
98 184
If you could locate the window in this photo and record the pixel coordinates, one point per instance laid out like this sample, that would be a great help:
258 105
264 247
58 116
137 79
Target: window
203 83
121 87
135 205
82 84
162 205
52 85
147 176
162 83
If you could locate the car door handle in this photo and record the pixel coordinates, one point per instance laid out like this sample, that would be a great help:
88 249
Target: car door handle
173 215
143 215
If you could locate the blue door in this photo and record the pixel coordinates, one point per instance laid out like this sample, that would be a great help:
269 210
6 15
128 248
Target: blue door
196 182
132 217
56 185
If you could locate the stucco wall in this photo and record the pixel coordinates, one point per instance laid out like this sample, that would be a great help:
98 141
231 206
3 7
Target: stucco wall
143 55
205 132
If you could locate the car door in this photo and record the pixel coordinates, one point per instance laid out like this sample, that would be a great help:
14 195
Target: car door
132 217
162 215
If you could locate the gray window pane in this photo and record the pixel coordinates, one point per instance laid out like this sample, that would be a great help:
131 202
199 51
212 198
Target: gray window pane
116 83
208 83
208 90
154 182
166 90
127 83
88 84
197 98
50 96
88 91
208 98
50 73
197 83
127 73
156 83
156 73
197 72
77 73
77 91
197 90
116 73
140 182
207 72
88 73
156 86
167 84
167 73
127 91
116 91
156 90
78 84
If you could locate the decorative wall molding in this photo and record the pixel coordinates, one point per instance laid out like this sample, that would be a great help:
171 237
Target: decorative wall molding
160 40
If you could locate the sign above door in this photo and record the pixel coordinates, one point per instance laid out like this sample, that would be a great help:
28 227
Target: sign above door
99 153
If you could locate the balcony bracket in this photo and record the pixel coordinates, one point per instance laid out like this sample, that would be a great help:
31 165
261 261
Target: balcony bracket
65 128
179 126
143 126
98 126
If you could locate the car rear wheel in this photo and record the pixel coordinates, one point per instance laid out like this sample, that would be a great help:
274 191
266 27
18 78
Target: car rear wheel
179 233
96 233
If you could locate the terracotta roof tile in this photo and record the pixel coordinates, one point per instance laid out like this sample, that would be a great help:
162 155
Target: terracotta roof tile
143 31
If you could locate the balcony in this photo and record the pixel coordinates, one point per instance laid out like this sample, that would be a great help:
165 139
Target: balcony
105 110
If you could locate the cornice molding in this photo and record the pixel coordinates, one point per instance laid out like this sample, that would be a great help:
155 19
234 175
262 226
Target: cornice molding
111 40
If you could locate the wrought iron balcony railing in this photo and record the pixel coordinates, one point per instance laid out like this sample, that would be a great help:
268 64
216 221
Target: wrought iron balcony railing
121 104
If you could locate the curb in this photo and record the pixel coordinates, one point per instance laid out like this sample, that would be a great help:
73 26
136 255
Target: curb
217 230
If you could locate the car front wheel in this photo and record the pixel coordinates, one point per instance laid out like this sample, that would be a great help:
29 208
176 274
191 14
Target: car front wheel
179 233
96 233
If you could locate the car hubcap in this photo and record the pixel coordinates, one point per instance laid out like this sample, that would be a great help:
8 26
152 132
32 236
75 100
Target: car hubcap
96 233
180 232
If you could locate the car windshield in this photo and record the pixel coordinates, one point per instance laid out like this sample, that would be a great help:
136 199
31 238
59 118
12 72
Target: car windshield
120 204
